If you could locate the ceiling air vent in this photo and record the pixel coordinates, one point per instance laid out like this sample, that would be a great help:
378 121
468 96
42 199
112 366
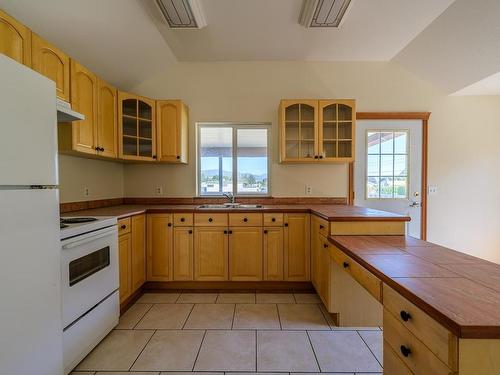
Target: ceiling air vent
182 14
323 13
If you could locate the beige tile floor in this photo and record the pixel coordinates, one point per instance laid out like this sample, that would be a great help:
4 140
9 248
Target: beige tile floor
233 334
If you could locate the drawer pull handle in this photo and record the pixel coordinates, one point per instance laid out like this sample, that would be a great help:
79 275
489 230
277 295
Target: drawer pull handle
245 219
169 224
405 315
265 232
123 226
405 351
345 264
325 245
210 219
273 219
321 226
182 220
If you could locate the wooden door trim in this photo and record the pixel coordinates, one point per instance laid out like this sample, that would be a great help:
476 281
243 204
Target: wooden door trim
424 116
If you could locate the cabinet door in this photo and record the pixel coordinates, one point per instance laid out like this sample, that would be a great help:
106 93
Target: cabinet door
52 63
298 121
138 251
337 121
210 253
315 252
172 130
245 253
136 127
297 247
107 127
15 39
124 254
273 253
84 100
159 244
183 253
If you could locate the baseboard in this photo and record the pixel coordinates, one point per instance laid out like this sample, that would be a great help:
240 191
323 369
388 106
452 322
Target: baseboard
206 286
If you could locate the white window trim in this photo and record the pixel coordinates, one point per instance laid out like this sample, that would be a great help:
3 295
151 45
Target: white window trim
234 126
408 162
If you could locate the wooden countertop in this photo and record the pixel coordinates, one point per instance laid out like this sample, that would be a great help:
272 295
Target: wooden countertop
459 291
327 212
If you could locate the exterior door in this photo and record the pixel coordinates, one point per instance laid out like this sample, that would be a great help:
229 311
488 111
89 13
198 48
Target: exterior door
388 168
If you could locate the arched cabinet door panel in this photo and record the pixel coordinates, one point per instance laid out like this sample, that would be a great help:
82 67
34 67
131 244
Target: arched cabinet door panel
15 39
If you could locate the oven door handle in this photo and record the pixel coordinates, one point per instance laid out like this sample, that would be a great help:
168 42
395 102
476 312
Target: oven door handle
83 241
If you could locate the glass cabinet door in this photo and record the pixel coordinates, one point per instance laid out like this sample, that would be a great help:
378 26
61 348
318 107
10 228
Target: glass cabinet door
137 128
336 129
299 131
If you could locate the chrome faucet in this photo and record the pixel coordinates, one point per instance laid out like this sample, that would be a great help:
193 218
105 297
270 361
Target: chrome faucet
230 196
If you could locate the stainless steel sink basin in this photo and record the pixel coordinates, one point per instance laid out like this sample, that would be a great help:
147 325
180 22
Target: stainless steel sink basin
234 206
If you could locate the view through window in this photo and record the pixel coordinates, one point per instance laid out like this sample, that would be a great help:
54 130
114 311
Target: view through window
233 159
387 164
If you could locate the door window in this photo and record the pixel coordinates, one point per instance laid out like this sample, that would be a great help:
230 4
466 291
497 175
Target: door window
387 164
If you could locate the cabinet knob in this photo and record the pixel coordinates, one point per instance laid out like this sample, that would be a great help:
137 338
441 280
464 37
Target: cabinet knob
182 220
405 315
273 219
225 232
325 245
210 219
154 157
169 224
178 157
321 156
286 224
245 219
230 232
101 149
345 264
321 226
265 232
405 351
123 226
190 231
315 156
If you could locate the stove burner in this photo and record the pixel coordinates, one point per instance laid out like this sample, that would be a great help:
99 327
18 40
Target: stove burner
77 220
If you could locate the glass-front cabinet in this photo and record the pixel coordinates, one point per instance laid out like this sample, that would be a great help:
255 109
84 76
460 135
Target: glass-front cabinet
317 131
137 138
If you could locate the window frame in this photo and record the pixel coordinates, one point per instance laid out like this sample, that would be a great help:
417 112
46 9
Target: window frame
234 126
408 162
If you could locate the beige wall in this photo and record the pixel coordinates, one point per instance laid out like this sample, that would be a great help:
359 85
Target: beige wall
104 179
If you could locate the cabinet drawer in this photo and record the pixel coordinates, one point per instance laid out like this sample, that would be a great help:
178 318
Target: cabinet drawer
411 350
124 226
392 364
210 220
183 220
321 226
371 283
437 338
245 220
273 220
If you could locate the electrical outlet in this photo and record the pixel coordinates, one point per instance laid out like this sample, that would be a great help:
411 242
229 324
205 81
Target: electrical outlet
159 191
308 190
86 192
432 190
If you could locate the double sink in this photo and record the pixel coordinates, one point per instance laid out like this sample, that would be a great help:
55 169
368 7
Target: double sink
230 206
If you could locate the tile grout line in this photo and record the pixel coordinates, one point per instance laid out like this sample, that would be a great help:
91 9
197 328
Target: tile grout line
324 312
199 350
314 352
178 297
142 317
234 313
256 353
187 318
279 317
368 346
142 350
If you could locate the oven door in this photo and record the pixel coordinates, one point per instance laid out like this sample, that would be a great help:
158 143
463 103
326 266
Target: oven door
89 271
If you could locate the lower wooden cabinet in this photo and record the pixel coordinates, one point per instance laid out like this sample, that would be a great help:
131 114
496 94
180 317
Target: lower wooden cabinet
160 247
297 254
183 253
125 262
273 253
211 253
245 253
132 256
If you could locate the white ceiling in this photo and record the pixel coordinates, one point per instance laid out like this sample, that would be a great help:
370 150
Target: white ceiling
243 30
488 86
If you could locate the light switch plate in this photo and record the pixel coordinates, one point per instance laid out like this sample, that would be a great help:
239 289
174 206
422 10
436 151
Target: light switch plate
432 190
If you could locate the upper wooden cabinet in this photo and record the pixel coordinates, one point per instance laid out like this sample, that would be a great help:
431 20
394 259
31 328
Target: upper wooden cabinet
107 120
136 127
317 131
15 39
172 129
52 63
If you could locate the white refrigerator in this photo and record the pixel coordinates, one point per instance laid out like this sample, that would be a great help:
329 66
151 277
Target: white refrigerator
30 252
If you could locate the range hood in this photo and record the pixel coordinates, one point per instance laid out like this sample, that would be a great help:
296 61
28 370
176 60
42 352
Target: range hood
65 113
